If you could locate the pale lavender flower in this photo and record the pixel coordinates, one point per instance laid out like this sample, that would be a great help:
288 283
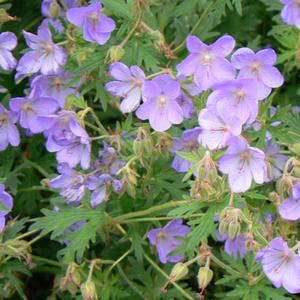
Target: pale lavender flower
289 209
260 67
54 86
67 138
275 161
109 160
281 265
53 21
235 97
128 85
188 142
71 183
6 203
9 134
31 107
290 14
165 240
44 56
217 128
101 187
160 105
208 63
8 42
236 248
97 27
243 164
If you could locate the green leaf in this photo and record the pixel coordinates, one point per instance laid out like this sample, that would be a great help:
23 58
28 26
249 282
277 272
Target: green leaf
202 230
191 157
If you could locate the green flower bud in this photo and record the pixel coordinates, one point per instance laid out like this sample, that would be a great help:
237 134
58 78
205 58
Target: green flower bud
223 228
295 148
234 230
115 53
88 291
137 147
178 272
54 9
204 277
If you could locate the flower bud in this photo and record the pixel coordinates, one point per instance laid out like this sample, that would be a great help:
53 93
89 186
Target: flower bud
295 148
204 277
115 53
178 272
223 226
54 9
137 147
88 291
234 230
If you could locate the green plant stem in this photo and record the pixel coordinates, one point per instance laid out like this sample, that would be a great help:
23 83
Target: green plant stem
151 210
97 121
119 260
150 219
37 167
162 272
36 239
131 32
26 234
47 261
129 282
202 18
228 268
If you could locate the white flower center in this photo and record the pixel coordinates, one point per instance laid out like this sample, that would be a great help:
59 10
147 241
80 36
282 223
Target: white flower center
207 58
240 95
255 67
94 17
48 48
3 119
162 100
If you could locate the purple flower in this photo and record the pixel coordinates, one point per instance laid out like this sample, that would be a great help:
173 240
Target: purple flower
67 138
165 240
289 209
208 63
242 163
188 142
8 41
44 56
6 203
9 134
97 28
281 265
160 105
71 182
128 85
260 67
100 185
291 12
235 97
217 128
53 21
109 161
275 161
236 247
31 107
53 86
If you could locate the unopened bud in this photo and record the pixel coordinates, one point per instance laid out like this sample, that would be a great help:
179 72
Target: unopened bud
179 271
115 53
284 185
54 9
223 228
88 291
234 230
295 148
204 277
137 147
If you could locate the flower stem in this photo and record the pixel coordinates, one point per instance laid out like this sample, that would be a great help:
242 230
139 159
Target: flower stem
202 18
162 272
119 260
227 268
151 210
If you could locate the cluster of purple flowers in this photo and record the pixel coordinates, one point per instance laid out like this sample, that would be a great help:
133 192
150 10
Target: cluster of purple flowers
43 108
